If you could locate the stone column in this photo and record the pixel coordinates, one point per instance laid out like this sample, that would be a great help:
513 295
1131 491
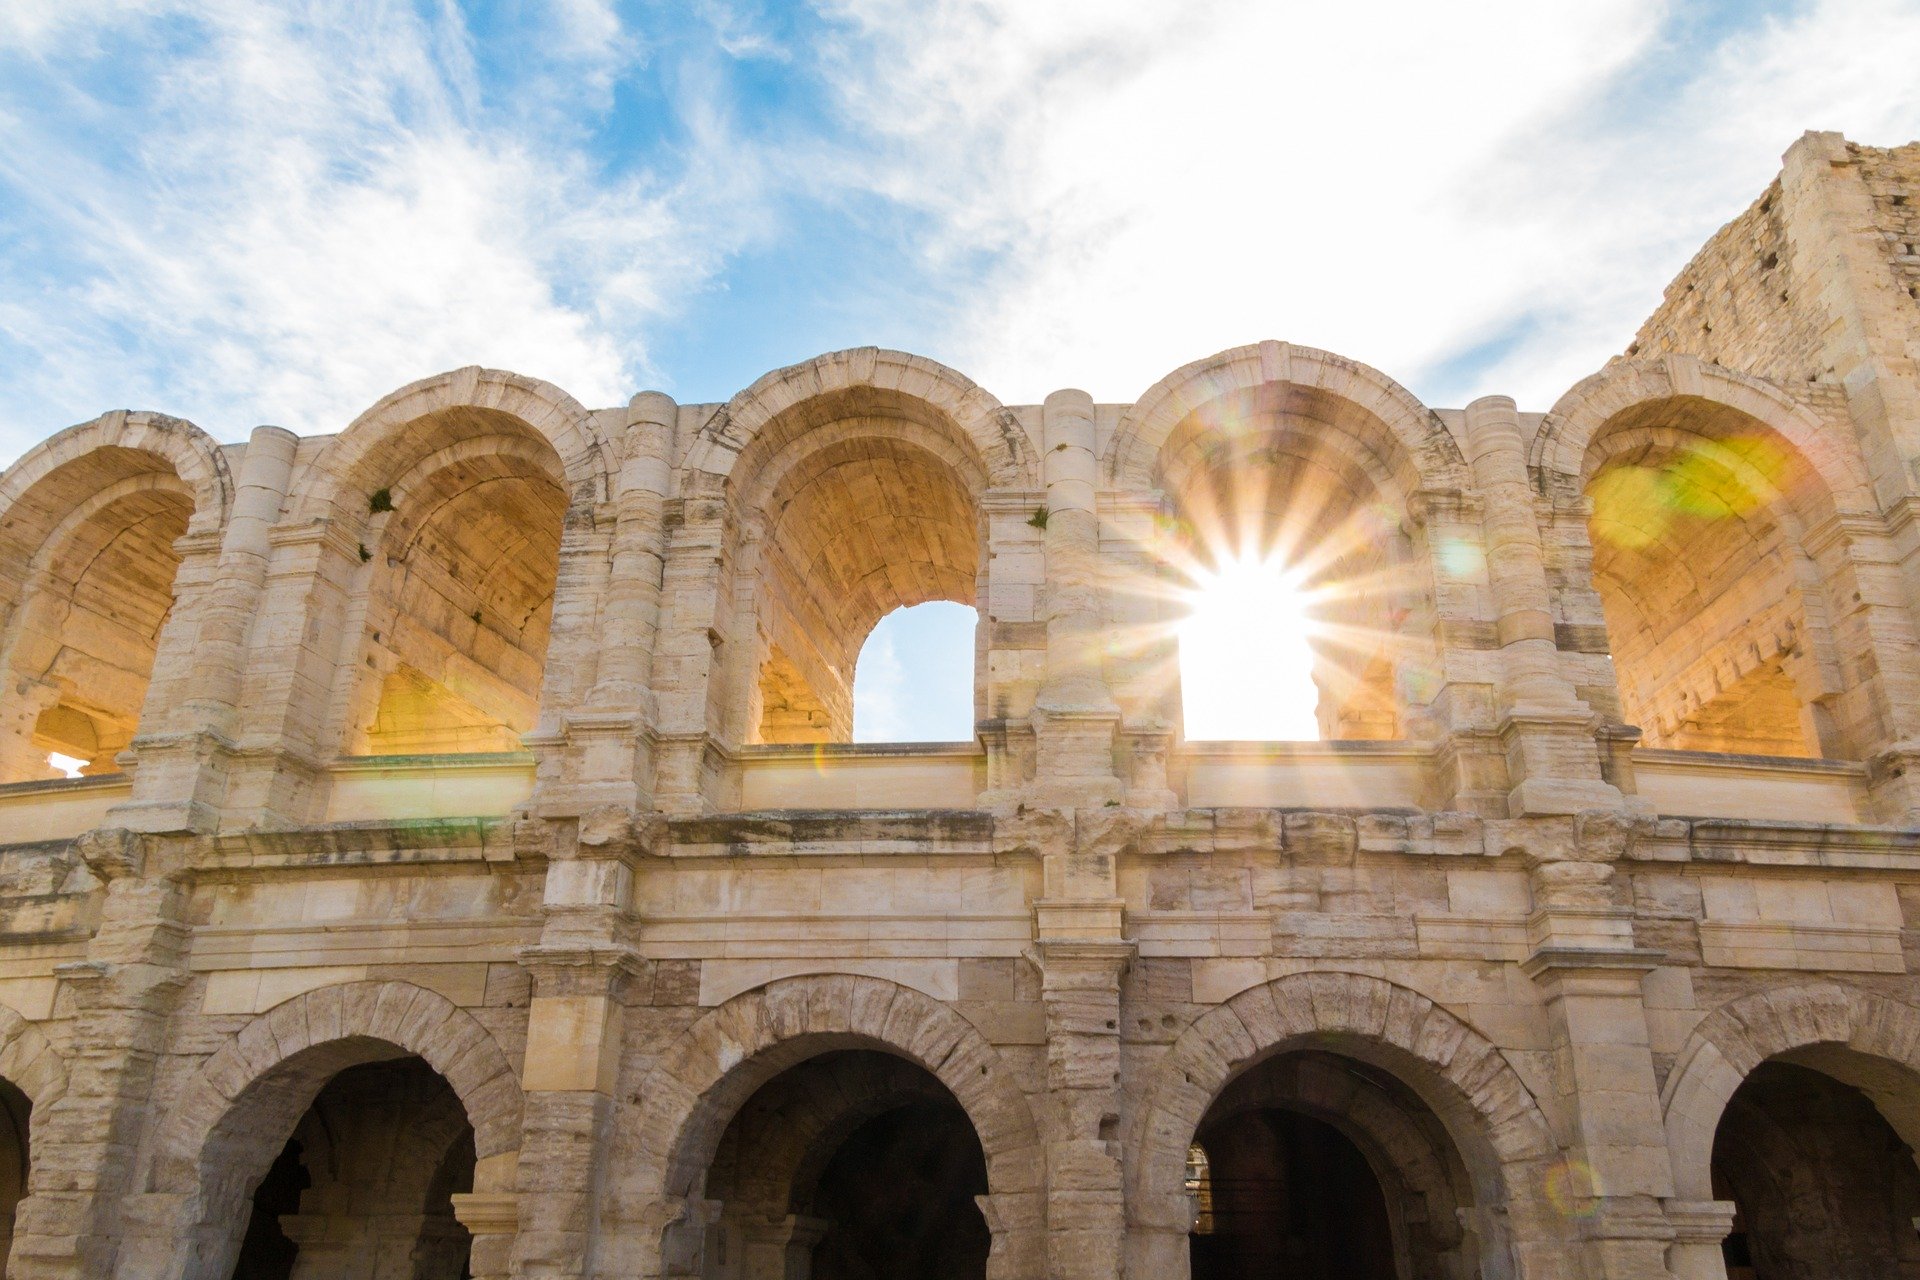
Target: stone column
1074 713
194 699
685 663
1079 929
1471 761
304 632
607 756
574 1032
492 1219
122 995
1553 762
1700 1227
1589 971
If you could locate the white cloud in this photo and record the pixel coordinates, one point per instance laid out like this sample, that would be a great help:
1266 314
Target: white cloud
1398 182
310 213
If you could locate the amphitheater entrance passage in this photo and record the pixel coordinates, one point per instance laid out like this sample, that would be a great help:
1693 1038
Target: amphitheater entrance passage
1822 1184
852 1165
1314 1166
363 1189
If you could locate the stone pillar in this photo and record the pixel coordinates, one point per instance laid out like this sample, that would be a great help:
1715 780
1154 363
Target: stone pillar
1553 762
122 995
1471 763
190 724
1074 713
492 1219
1012 612
305 631
607 756
1079 929
685 663
1589 971
26 700
1700 1227
1138 672
574 1032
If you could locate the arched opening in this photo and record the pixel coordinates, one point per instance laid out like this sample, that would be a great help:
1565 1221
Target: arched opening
853 1164
96 537
870 502
1300 577
1716 619
1823 1185
914 678
364 1185
15 1110
462 548
1316 1164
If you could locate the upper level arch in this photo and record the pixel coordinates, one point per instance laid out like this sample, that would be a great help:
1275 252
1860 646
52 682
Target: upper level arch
91 524
457 490
1711 500
1713 400
387 445
1403 437
863 382
1294 473
853 487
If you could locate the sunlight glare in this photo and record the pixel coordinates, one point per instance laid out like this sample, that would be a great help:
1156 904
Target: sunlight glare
1246 669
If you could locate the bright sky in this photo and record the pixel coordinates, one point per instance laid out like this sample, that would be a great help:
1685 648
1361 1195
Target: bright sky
243 212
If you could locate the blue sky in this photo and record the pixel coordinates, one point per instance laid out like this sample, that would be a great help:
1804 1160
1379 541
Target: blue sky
243 212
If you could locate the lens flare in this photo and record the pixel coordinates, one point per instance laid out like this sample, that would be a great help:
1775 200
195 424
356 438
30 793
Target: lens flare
1246 661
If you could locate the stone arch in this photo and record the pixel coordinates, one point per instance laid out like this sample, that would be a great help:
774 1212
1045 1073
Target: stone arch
1004 449
1433 456
353 460
31 1063
1711 500
217 1139
700 1081
464 492
159 442
92 524
1561 445
1271 450
1487 1110
1745 1032
275 1064
845 488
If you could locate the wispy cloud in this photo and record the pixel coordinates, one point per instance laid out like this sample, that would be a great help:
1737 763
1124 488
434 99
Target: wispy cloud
1473 197
242 211
254 213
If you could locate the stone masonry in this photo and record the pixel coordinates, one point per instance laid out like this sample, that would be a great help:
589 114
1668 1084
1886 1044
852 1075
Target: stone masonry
469 873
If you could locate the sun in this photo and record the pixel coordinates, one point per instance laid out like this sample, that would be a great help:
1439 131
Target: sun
1246 665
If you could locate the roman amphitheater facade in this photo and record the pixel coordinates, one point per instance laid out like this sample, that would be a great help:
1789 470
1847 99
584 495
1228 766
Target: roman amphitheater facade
470 873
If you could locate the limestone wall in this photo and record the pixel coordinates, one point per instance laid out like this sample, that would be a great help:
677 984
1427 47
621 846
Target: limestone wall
480 875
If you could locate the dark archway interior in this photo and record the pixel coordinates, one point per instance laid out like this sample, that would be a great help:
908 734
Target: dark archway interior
1823 1187
364 1187
899 1197
14 1109
852 1165
1314 1165
1290 1196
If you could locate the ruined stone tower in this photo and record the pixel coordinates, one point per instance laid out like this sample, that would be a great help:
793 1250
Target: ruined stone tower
469 867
